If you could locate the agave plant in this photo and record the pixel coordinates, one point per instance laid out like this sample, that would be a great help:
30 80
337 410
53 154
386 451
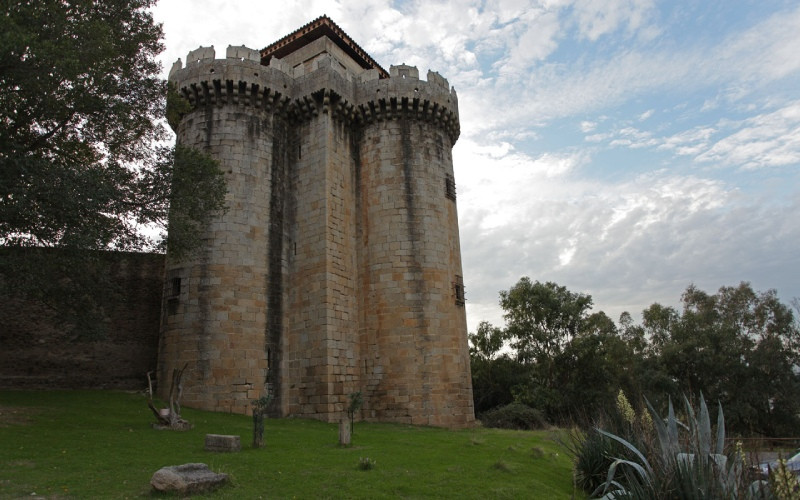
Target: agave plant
693 466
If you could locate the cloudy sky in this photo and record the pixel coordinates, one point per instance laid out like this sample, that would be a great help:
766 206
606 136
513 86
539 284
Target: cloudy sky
621 148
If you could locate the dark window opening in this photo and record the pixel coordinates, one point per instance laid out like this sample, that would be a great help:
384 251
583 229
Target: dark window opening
458 288
173 294
450 186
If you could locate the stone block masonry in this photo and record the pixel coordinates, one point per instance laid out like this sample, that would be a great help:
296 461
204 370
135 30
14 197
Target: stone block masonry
38 351
337 266
223 443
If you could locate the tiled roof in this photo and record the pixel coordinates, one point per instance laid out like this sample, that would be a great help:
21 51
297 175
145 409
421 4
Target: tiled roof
317 28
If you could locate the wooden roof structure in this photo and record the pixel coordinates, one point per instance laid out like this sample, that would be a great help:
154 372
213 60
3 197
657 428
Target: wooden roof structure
319 27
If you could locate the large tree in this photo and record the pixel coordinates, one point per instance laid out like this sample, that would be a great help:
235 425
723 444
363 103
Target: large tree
494 373
737 346
81 108
542 319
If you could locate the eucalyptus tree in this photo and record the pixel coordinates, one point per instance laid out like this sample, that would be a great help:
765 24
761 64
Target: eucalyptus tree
737 346
542 319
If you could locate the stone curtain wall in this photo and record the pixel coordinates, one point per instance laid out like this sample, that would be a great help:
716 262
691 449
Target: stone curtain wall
36 352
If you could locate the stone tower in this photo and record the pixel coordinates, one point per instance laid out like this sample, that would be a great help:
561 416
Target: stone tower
337 266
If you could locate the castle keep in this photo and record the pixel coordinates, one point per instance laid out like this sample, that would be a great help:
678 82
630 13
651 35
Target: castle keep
337 266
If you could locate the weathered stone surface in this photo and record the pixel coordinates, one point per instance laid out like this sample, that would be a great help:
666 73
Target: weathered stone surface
38 352
187 479
337 266
223 443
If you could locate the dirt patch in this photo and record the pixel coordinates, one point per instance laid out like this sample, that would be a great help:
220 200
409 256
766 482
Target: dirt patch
16 415
22 464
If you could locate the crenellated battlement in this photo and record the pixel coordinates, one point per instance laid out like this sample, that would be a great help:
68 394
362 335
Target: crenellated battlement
240 80
404 94
357 99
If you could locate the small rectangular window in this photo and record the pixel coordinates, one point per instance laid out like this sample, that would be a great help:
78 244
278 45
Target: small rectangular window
450 186
459 290
176 288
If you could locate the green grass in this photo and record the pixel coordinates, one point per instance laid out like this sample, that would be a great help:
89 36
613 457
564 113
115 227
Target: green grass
99 444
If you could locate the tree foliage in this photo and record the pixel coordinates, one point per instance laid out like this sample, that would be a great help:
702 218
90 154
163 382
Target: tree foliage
737 347
82 106
196 193
80 98
541 318
486 342
82 161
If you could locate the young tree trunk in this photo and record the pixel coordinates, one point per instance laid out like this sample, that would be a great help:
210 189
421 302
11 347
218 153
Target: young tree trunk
258 429
169 418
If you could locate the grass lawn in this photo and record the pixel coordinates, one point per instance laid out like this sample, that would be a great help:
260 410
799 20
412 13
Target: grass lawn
99 444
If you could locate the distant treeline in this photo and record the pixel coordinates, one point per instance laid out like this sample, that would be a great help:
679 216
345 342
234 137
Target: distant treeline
738 346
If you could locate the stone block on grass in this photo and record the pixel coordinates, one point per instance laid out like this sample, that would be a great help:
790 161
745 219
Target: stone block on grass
223 443
187 479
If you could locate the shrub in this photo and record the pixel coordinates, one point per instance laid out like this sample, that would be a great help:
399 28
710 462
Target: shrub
684 461
366 463
514 416
785 485
593 455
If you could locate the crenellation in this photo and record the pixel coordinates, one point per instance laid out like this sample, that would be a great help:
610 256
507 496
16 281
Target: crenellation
200 55
438 80
403 71
176 66
243 53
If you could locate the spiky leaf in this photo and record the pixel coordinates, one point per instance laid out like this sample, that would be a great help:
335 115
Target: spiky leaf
704 429
720 431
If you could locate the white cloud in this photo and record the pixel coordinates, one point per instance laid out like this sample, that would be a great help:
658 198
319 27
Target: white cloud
690 142
766 140
736 68
597 137
534 41
504 176
506 11
600 17
628 244
769 139
647 114
767 51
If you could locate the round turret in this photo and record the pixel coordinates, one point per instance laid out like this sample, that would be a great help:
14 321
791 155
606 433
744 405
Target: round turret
217 318
417 355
